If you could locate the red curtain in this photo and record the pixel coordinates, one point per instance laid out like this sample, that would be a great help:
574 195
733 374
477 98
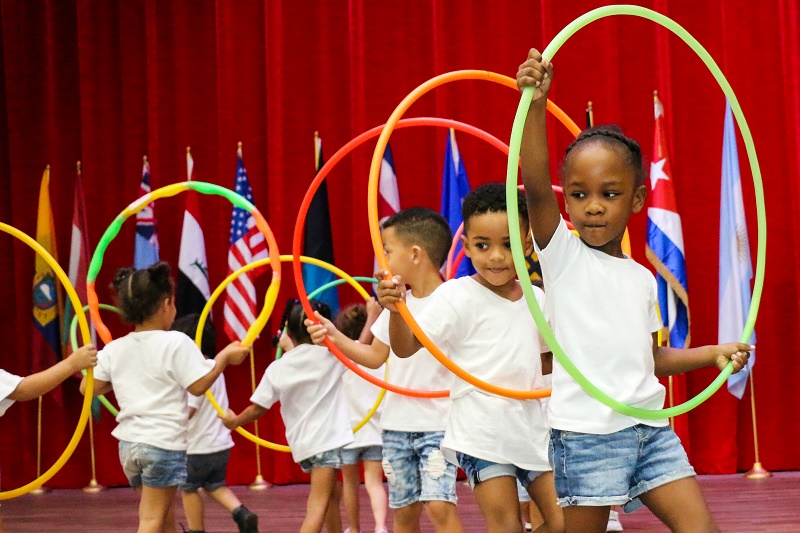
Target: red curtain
108 82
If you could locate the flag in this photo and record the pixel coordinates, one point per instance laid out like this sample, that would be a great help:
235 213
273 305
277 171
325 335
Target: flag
146 250
247 244
193 289
665 242
388 195
735 268
47 303
455 187
318 239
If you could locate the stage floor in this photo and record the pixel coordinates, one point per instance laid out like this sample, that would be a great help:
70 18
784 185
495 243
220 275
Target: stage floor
739 505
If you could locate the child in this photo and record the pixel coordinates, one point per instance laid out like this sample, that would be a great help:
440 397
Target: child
150 371
307 381
210 445
481 322
18 389
416 242
355 322
601 305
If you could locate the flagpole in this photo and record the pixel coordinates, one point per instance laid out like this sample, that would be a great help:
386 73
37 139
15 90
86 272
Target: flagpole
758 471
259 483
42 489
93 487
589 115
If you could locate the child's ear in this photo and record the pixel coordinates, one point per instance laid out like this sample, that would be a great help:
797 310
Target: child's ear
416 254
527 241
465 245
639 196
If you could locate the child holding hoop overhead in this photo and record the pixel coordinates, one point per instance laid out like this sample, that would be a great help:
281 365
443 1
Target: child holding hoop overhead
150 371
307 381
602 306
480 322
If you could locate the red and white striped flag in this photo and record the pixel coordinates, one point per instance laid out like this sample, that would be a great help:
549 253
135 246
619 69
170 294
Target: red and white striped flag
388 195
247 244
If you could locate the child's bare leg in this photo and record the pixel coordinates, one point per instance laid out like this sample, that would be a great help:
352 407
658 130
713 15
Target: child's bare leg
373 481
351 479
169 521
323 482
535 515
193 508
497 500
444 516
681 506
543 496
586 519
225 497
333 517
154 509
406 519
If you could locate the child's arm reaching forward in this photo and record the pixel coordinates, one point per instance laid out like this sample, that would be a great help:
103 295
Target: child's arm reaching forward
369 355
232 421
538 72
43 382
670 361
232 354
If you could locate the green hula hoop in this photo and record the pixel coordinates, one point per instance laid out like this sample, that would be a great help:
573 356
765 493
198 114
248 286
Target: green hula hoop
513 212
73 339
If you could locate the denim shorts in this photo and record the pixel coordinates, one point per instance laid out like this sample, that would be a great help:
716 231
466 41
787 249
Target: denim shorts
353 456
327 459
416 468
151 466
206 471
617 468
478 470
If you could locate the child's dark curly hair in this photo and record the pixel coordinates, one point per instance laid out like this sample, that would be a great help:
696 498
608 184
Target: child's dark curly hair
425 228
141 292
491 198
188 324
294 320
612 136
351 320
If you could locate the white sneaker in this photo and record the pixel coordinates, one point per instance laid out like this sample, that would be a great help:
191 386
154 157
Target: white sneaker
613 521
528 526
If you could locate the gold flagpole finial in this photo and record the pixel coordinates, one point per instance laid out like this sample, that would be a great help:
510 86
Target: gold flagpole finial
188 150
47 168
79 167
239 149
316 135
655 95
144 159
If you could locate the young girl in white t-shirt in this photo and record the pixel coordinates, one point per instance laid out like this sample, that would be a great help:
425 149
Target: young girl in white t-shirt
150 371
307 381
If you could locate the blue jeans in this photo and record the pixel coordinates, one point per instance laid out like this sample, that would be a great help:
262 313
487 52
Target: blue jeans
352 456
151 466
416 468
206 471
615 469
327 459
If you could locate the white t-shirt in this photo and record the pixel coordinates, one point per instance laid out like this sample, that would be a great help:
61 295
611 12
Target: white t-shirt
361 396
8 384
495 340
206 434
603 312
307 381
149 371
420 371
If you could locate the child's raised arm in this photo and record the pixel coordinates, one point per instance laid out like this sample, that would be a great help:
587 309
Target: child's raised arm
369 355
671 361
542 203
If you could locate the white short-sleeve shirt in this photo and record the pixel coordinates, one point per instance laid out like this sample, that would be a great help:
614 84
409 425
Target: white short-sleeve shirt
8 384
150 371
361 396
495 340
307 381
206 433
420 371
603 312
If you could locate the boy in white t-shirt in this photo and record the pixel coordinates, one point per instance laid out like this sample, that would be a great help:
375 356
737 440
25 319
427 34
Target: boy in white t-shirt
602 307
307 381
210 445
416 242
481 322
18 389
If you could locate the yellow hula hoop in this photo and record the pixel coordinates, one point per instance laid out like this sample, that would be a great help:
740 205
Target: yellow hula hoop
251 266
87 399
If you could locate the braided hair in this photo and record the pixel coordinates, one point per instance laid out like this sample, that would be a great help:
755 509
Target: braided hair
141 292
611 135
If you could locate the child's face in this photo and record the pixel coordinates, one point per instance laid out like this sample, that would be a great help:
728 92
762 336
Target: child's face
401 257
600 196
488 244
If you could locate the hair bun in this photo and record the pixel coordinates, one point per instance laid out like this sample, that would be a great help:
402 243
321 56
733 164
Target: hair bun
121 276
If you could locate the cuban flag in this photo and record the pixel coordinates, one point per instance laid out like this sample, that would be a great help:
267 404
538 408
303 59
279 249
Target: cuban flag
665 241
455 186
388 194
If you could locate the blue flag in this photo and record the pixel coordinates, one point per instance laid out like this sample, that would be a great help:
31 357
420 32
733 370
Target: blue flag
455 187
735 268
146 248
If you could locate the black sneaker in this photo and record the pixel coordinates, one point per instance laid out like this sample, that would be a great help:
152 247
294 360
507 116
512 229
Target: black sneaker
245 519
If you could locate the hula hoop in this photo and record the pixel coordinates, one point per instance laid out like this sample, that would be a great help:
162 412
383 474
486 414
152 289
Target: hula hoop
516 244
213 298
374 227
73 339
87 338
322 174
165 192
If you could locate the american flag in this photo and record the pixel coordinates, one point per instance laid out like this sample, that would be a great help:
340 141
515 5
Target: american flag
247 245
